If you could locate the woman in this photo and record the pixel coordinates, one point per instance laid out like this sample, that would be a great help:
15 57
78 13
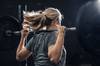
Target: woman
46 47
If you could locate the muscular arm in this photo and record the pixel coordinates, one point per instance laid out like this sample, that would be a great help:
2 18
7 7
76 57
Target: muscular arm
22 53
55 51
21 45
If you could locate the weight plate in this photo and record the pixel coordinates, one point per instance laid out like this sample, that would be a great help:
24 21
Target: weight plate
88 26
8 23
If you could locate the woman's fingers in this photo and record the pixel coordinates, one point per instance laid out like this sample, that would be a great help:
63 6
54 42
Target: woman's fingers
24 33
61 29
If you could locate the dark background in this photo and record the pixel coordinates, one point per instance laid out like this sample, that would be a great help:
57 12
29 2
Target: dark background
69 8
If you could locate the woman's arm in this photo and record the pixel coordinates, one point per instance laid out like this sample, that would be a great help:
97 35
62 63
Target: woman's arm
22 53
55 51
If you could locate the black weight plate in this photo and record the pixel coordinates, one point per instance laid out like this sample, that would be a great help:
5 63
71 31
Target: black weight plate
88 26
8 43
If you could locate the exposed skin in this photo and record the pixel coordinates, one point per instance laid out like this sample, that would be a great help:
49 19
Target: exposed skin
54 51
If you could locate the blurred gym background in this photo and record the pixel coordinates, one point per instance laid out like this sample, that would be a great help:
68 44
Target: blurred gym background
76 56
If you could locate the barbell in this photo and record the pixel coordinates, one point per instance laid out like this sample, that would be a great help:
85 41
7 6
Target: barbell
87 29
9 32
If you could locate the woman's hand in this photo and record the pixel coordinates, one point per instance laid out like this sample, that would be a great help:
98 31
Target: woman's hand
24 33
61 30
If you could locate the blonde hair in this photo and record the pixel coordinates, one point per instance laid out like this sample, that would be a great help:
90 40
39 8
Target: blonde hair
39 19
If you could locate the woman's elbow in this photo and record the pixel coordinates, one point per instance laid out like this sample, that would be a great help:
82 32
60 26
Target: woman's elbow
54 60
18 59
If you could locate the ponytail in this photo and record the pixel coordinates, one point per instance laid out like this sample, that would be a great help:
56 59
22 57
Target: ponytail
38 20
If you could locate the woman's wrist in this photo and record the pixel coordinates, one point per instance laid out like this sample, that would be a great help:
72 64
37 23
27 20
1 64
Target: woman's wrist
61 34
22 38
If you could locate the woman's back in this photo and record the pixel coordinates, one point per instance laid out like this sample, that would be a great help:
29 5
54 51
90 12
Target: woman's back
39 44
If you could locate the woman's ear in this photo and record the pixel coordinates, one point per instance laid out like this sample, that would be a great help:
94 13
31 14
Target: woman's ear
57 21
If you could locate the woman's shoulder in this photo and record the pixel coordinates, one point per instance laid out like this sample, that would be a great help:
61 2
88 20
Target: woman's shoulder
47 34
51 34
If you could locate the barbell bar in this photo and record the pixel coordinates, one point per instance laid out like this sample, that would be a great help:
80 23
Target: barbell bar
9 32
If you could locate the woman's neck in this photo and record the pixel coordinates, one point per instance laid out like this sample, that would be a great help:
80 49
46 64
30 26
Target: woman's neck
52 27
